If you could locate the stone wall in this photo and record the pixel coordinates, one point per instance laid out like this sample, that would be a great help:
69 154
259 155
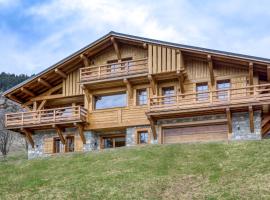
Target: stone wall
131 136
241 127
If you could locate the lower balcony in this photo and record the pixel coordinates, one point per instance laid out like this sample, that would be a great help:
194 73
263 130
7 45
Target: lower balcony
208 101
48 117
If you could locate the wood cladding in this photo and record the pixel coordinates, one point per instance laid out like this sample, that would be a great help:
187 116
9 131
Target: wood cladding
71 84
162 59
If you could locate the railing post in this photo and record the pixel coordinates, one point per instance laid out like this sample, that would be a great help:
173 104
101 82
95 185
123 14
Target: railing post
99 72
211 97
229 95
22 119
54 115
79 108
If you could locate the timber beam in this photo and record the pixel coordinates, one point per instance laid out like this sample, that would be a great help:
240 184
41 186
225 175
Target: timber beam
153 83
251 119
45 83
153 127
61 73
29 137
129 87
81 133
181 80
116 48
85 60
144 45
229 119
211 69
28 92
41 105
59 131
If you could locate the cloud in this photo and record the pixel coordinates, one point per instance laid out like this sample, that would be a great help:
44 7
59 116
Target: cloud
55 29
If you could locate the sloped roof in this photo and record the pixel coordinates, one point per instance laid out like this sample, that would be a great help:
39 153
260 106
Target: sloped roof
143 40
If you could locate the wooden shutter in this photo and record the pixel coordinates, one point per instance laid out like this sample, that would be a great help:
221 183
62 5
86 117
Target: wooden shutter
48 145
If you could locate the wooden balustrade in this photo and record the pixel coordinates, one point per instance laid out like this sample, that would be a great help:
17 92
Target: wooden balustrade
126 68
46 117
248 94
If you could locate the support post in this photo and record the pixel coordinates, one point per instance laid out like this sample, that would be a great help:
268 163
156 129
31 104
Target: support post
152 125
60 134
28 136
153 84
81 129
211 69
129 88
229 119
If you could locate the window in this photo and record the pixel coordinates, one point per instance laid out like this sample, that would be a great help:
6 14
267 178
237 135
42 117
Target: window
141 97
56 145
142 137
110 101
113 66
223 85
113 141
70 144
168 92
202 89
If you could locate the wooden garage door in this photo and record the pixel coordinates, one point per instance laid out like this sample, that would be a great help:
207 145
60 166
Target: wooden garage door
195 133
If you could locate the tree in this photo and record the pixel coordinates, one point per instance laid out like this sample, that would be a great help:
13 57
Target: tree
6 136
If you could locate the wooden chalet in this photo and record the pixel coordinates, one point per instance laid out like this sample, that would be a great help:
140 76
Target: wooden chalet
124 90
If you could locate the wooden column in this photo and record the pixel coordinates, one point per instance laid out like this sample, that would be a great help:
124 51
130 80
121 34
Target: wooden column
153 127
251 119
211 69
81 133
153 84
250 72
129 88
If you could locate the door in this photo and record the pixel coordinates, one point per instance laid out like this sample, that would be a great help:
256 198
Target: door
195 133
70 144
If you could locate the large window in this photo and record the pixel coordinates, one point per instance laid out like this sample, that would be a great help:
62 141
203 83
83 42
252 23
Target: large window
110 101
168 93
223 85
113 141
201 89
141 97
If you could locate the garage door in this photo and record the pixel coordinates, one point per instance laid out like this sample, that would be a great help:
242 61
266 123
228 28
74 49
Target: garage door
195 133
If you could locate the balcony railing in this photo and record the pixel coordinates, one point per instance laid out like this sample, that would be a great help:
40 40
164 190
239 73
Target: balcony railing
113 70
46 117
249 94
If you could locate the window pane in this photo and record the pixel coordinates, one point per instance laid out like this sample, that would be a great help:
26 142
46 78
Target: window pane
110 101
168 92
57 145
141 97
143 137
200 88
223 85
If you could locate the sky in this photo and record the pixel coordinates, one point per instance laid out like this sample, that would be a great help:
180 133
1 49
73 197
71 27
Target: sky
36 34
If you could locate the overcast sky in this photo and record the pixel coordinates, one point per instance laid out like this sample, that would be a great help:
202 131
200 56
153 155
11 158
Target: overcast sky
36 34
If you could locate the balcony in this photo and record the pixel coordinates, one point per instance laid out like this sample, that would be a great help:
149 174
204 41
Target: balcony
114 71
47 117
209 100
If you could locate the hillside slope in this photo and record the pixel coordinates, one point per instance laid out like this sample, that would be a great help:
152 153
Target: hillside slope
187 171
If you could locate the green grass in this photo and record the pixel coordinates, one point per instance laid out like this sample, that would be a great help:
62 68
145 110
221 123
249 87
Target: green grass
184 171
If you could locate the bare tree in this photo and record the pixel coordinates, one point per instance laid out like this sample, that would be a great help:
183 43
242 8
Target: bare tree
6 136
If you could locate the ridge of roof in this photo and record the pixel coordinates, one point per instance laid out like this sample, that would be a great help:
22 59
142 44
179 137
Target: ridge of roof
142 39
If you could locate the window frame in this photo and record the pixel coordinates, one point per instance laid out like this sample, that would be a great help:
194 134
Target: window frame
110 94
141 130
202 96
169 98
66 145
54 144
138 99
223 94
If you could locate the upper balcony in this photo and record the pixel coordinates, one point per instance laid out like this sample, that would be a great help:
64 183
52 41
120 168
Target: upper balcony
46 118
210 100
114 71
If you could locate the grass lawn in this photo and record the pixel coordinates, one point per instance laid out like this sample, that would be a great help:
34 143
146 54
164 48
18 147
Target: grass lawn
238 170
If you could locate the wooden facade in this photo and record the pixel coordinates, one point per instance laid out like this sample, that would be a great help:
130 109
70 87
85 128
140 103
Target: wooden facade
171 76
